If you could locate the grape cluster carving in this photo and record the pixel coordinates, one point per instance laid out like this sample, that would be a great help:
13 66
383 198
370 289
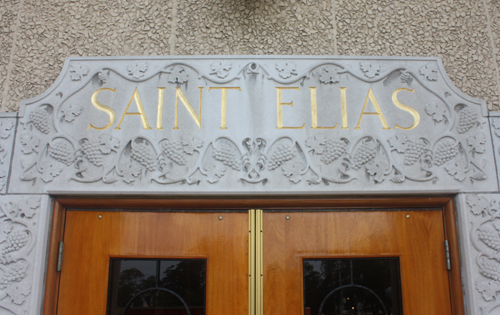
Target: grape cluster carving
281 155
414 150
490 269
490 238
364 153
145 155
40 119
467 118
173 150
333 150
227 156
15 241
13 272
445 152
62 152
92 152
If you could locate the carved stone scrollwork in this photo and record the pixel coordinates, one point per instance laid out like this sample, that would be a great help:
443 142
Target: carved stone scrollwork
17 240
485 237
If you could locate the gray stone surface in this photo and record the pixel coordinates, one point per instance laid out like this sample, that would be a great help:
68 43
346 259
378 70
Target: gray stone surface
456 31
479 238
60 148
7 134
23 233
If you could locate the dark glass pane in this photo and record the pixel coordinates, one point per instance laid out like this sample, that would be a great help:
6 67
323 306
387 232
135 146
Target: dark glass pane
368 286
157 287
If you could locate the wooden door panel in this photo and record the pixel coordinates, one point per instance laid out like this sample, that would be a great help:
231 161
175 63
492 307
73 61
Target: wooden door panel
90 242
417 241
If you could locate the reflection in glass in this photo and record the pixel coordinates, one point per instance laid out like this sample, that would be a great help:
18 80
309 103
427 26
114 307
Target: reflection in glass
157 287
369 286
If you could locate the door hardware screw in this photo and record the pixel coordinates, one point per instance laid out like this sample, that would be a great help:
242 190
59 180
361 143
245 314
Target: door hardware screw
287 217
407 216
99 217
220 217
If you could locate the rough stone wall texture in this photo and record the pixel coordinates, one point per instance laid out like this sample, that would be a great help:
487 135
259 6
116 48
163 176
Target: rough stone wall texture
36 36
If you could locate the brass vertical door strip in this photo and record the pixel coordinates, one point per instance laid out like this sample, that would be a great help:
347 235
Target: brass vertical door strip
255 263
251 262
259 267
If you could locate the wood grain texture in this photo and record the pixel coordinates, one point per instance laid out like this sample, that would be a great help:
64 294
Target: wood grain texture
451 230
272 202
244 203
417 241
90 242
52 282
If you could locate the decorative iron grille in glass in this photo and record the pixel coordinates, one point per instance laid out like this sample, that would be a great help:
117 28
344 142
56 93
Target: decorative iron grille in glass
157 287
367 286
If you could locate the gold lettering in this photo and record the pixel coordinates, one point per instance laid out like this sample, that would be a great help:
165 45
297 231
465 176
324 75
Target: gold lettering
314 111
223 106
159 115
180 95
140 112
412 111
378 112
279 97
343 101
106 109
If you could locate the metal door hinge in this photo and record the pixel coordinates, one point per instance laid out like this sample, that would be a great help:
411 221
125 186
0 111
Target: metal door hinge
447 255
60 256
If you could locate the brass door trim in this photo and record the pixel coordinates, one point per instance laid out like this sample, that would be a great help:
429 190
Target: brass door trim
255 263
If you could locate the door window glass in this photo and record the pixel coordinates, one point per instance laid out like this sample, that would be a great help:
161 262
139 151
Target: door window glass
157 286
352 286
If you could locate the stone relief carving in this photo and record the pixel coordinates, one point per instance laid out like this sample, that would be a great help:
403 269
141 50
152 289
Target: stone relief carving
485 237
177 74
17 240
78 71
429 71
286 69
221 69
456 150
6 131
369 69
137 70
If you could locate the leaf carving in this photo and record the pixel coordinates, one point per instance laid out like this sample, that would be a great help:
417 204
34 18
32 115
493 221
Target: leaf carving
130 172
221 68
137 70
50 170
292 171
70 112
377 170
286 69
30 143
437 111
177 74
214 172
18 292
316 143
477 142
5 128
429 71
477 204
488 289
77 71
28 206
191 143
370 70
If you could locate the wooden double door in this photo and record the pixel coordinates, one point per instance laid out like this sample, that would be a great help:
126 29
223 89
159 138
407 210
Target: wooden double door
276 261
